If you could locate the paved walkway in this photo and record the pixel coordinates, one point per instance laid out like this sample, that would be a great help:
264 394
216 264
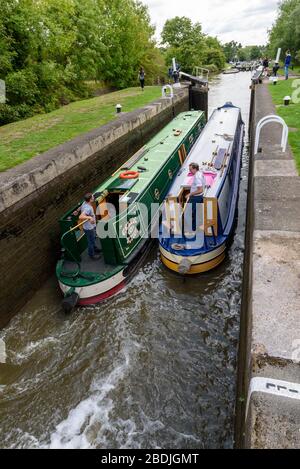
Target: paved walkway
274 335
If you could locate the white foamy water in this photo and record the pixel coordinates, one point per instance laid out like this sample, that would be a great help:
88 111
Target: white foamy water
91 418
18 358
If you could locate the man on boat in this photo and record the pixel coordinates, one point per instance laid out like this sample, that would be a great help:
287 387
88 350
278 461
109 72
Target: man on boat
195 197
88 215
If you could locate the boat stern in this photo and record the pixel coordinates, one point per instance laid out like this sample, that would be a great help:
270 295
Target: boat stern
195 263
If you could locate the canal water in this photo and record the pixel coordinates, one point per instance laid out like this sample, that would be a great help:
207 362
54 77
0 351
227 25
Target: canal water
155 367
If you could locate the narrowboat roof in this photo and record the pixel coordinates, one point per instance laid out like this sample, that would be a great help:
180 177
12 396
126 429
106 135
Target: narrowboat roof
154 154
215 141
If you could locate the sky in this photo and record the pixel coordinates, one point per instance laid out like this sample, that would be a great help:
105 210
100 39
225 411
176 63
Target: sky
239 20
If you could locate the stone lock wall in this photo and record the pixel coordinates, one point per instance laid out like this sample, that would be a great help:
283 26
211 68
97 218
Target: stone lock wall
269 370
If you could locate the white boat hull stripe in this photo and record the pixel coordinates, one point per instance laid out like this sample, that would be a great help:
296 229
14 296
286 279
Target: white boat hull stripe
97 289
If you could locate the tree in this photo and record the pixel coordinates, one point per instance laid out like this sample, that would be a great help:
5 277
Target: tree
231 50
191 47
285 32
51 48
128 40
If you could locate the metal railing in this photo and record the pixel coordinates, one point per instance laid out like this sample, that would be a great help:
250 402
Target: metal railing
64 236
202 73
268 120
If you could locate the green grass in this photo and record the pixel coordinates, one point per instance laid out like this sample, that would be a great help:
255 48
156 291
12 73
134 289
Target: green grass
291 113
294 71
22 140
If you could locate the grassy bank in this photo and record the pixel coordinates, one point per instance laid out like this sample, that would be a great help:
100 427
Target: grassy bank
294 71
22 140
291 113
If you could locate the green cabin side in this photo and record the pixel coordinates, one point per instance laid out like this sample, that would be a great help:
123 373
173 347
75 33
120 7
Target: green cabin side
158 162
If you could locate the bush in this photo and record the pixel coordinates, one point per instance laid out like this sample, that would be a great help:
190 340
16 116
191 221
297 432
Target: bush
10 113
21 87
211 67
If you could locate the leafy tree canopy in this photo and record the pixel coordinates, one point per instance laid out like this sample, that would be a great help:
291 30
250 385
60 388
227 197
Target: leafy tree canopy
51 48
185 40
285 32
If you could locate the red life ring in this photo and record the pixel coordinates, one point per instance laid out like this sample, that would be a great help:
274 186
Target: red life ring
129 175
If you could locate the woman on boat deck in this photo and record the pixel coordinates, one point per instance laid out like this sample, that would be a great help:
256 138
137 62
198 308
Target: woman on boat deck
88 215
195 197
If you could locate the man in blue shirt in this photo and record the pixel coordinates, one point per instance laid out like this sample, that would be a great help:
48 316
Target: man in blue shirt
287 64
88 214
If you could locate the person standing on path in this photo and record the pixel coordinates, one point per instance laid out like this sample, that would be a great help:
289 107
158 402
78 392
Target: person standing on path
287 64
142 78
275 69
266 65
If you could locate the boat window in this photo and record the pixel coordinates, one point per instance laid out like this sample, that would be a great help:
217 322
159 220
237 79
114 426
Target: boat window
182 153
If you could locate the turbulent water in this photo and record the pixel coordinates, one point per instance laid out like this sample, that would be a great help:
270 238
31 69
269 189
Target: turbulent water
155 367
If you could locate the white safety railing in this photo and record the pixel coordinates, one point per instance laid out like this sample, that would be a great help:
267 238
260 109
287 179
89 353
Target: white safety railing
202 73
268 120
167 91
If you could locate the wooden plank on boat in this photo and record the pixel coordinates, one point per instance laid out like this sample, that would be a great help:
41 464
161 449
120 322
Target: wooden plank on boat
210 216
135 158
172 211
220 158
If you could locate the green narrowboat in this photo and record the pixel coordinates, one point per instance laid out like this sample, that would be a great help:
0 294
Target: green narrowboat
127 208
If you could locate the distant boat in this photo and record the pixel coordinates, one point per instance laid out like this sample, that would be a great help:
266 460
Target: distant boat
231 71
257 74
144 179
218 152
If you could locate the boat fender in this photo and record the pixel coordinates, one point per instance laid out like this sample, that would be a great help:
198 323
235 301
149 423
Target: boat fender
129 175
184 266
69 302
